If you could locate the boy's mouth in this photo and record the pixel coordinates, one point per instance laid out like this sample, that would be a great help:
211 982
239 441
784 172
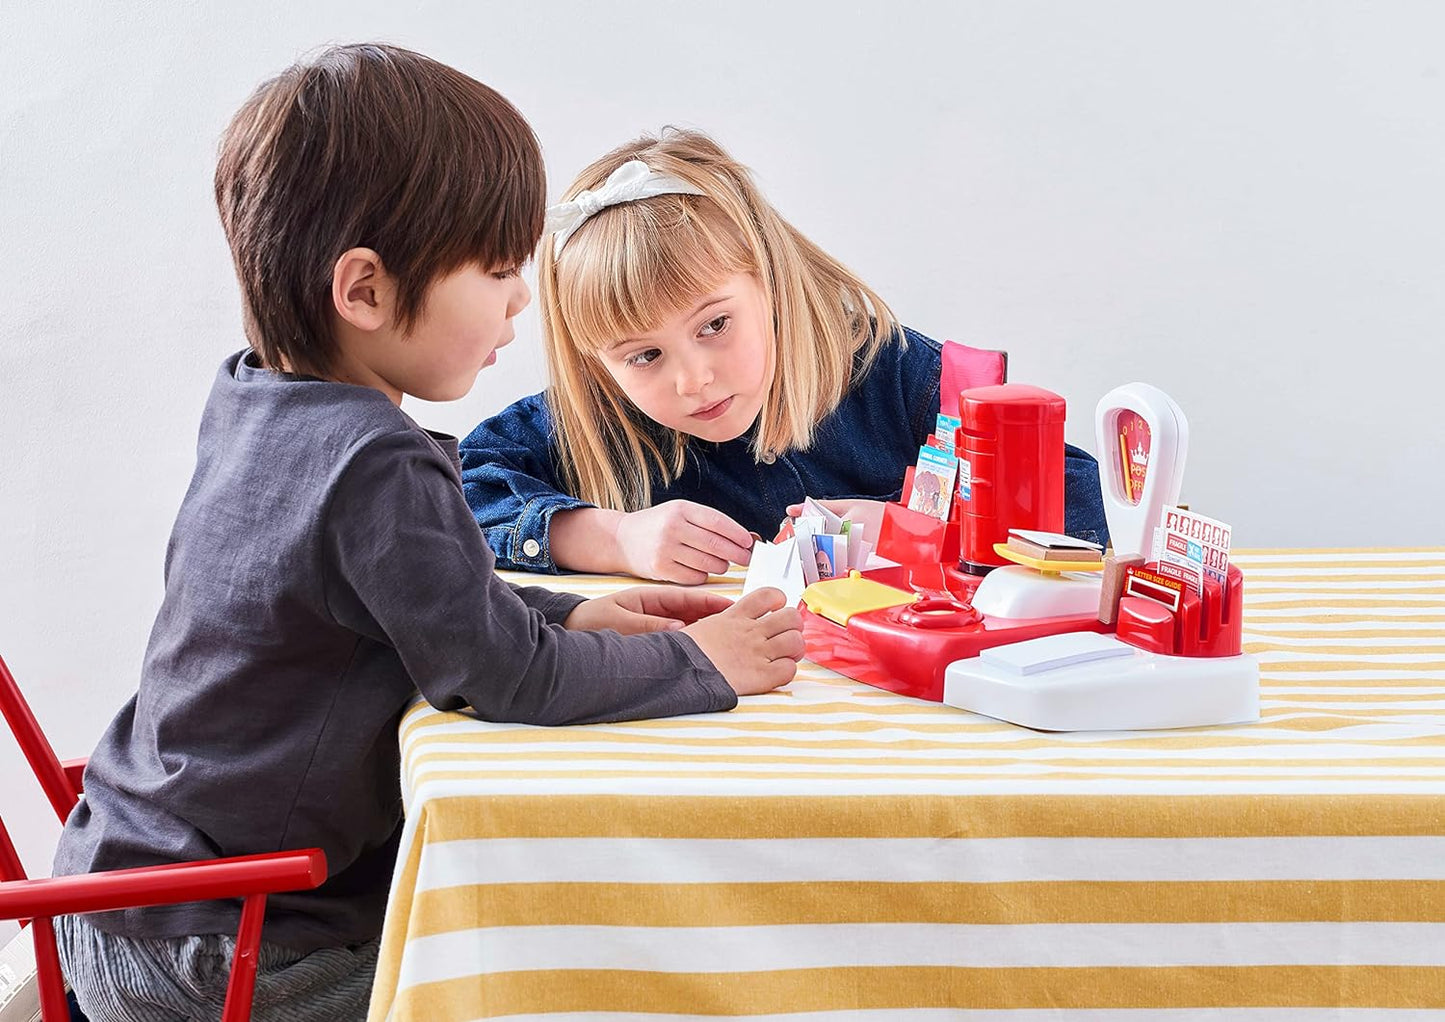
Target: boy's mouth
712 411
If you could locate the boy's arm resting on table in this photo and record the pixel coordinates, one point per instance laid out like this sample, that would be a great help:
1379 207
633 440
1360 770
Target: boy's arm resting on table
552 605
513 486
406 566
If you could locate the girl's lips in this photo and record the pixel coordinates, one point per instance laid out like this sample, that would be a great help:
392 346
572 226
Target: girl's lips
713 411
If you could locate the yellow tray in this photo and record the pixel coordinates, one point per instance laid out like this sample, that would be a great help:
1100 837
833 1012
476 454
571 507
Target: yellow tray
838 599
1039 564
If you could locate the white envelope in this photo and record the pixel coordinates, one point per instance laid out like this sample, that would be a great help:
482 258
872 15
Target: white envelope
776 565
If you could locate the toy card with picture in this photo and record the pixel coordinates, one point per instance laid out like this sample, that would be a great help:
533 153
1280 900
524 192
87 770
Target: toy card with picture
933 480
822 546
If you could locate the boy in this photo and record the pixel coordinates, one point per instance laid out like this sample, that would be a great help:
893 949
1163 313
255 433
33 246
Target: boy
324 564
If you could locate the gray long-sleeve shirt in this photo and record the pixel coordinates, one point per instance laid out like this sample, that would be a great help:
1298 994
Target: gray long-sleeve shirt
323 567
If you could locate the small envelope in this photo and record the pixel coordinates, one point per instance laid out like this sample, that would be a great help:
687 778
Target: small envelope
832 524
805 528
776 565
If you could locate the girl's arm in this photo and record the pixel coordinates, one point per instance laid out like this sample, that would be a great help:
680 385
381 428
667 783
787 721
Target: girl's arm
675 541
513 487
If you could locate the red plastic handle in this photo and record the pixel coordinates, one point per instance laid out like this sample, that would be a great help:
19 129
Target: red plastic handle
938 612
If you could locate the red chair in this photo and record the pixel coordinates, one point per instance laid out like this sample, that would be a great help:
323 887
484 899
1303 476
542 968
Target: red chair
251 877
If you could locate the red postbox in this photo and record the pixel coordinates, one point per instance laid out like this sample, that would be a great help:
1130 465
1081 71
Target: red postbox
1010 444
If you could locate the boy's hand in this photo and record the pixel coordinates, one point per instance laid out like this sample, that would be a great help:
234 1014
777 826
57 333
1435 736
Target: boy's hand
754 644
646 609
867 513
681 541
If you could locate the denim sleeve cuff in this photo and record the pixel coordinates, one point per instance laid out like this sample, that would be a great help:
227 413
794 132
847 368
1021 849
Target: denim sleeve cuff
529 543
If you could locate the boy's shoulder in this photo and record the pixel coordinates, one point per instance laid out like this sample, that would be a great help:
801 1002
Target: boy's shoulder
265 391
281 422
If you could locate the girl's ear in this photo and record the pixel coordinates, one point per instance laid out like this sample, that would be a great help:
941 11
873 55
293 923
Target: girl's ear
361 289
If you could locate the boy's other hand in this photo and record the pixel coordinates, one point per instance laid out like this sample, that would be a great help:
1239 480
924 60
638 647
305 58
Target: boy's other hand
755 644
681 541
867 513
646 609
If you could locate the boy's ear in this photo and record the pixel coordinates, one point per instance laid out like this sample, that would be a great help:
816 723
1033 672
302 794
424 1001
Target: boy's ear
361 289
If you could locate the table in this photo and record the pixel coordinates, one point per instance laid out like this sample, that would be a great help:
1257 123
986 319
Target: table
837 849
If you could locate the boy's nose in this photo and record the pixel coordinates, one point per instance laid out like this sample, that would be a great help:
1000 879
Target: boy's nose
521 297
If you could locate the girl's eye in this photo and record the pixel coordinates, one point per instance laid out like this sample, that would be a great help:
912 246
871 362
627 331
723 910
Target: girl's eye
643 359
714 327
507 274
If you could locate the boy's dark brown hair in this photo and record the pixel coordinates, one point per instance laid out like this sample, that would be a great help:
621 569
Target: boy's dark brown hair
369 146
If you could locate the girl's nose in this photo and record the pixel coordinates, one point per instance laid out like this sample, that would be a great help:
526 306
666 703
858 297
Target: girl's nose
693 375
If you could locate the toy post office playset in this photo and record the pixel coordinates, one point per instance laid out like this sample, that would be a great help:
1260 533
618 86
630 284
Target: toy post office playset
988 607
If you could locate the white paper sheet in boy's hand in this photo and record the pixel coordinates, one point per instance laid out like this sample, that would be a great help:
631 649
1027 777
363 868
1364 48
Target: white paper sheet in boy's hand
776 565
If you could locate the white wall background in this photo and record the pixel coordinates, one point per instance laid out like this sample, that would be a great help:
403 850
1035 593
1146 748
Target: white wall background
1239 202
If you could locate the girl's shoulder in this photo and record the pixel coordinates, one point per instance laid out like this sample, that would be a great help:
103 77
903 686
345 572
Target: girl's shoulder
913 337
906 353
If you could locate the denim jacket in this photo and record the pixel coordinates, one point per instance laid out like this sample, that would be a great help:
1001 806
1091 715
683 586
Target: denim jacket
861 449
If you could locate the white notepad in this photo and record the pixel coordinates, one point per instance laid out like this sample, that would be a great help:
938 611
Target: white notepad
1054 651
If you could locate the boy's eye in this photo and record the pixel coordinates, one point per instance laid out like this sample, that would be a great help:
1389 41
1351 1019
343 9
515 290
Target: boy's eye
643 358
507 274
713 327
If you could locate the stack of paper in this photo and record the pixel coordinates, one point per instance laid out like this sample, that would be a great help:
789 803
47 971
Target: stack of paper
1052 546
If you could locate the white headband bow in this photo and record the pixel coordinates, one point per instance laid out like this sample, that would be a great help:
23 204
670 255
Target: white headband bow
632 181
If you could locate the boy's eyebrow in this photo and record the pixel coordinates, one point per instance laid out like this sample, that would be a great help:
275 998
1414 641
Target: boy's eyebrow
707 303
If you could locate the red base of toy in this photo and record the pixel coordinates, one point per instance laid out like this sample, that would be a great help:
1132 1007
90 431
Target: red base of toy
907 649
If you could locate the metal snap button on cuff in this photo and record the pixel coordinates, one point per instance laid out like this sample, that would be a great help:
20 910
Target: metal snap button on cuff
531 548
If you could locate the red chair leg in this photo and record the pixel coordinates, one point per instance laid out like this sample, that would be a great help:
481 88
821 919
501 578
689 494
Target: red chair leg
243 966
53 1007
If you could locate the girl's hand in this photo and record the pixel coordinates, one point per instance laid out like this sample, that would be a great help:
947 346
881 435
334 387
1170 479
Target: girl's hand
755 644
867 513
646 609
681 541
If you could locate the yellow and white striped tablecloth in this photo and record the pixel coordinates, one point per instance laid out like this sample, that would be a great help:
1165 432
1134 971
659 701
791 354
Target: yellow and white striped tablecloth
836 852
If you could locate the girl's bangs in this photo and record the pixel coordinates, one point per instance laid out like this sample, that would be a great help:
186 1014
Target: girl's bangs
630 267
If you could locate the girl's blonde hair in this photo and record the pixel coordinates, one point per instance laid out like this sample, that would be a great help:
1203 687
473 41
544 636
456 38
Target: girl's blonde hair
631 265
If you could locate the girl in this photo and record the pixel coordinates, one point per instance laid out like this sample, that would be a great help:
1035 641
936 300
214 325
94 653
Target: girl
710 367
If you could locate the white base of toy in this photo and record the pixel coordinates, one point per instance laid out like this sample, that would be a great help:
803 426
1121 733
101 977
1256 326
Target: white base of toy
1123 689
1022 593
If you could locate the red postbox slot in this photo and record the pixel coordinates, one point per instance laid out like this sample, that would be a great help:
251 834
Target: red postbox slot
1147 624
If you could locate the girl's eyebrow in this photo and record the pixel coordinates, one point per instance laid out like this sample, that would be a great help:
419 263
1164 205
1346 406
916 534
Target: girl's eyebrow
707 303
